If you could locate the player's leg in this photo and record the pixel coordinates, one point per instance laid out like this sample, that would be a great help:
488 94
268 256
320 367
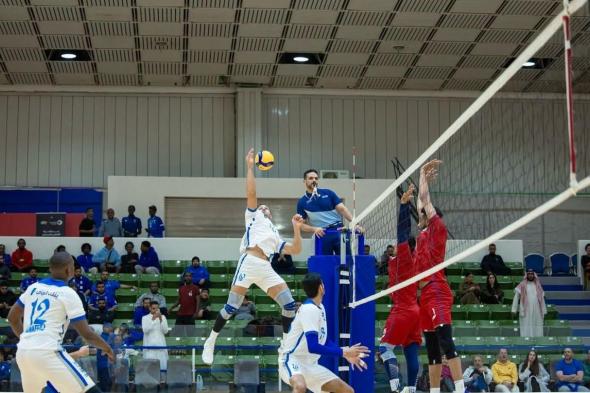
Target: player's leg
284 298
336 386
297 383
445 338
413 365
66 375
434 360
390 363
29 365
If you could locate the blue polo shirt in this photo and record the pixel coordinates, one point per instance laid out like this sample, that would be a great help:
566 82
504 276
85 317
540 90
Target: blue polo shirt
82 283
320 210
27 281
131 226
571 368
155 227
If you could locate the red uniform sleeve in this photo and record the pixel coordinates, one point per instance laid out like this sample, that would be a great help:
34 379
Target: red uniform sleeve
391 270
437 239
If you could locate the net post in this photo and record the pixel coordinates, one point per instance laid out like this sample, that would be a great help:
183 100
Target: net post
568 56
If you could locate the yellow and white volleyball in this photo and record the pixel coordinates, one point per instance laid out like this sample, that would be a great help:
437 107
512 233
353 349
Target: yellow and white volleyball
264 160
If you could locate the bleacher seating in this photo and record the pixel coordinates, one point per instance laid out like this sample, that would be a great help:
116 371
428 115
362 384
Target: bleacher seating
560 264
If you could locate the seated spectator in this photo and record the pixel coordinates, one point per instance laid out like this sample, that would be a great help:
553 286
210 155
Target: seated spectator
148 260
131 224
199 273
504 373
477 377
155 225
87 226
82 284
129 260
155 327
4 270
107 257
62 248
141 311
21 259
101 314
446 377
188 301
130 337
283 264
7 299
4 257
111 286
494 263
204 305
468 292
155 295
101 293
30 280
83 299
247 310
533 375
586 365
492 294
384 260
570 373
103 366
111 226
85 259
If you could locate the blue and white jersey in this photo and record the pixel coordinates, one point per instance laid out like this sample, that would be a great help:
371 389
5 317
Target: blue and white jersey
320 208
49 307
309 318
261 232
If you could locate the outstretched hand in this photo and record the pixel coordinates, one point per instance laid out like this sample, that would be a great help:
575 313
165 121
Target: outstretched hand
297 221
430 169
355 354
407 196
250 159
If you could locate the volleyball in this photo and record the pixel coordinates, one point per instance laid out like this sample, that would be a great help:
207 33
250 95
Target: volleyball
264 160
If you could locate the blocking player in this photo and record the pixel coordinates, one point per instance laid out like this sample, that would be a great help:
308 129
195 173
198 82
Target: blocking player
403 323
306 342
259 243
436 298
48 307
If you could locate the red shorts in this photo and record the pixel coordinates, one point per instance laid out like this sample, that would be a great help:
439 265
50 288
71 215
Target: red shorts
436 303
402 327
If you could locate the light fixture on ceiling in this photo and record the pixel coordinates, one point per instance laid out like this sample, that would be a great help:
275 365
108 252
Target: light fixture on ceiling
529 64
534 63
301 59
68 56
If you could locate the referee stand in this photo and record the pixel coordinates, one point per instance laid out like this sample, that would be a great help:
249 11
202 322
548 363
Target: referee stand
347 326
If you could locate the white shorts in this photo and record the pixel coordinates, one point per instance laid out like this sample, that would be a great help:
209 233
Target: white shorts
253 270
315 375
56 367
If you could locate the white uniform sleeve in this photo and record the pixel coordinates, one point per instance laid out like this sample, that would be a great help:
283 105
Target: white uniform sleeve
250 215
73 305
309 316
24 298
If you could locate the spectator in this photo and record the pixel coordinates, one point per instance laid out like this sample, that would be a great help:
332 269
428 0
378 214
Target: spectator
570 373
111 286
468 292
4 270
148 260
367 249
141 311
107 257
111 226
101 293
533 375
529 302
102 361
131 337
4 369
204 305
83 299
477 377
155 225
494 263
504 373
247 310
199 273
21 259
384 261
283 264
85 259
129 260
155 327
585 263
155 295
586 365
82 284
492 294
87 226
4 257
188 300
446 377
102 314
62 248
131 224
27 281
7 299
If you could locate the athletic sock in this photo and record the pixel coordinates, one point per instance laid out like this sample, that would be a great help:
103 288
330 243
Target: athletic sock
460 386
214 334
434 390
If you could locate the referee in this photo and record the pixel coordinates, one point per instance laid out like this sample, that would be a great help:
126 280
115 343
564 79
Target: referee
322 209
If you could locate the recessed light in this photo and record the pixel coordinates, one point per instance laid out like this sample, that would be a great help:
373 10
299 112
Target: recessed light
529 63
301 59
68 56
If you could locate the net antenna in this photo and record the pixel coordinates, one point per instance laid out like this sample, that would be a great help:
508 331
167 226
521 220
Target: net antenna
560 21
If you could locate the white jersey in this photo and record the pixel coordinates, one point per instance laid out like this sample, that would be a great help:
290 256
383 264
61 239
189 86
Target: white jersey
49 307
261 232
309 318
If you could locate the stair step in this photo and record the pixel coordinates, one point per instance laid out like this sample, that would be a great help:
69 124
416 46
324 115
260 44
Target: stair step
574 317
569 302
562 288
573 309
560 280
555 295
581 332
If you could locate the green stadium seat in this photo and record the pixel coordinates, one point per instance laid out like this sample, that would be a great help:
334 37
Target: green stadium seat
220 280
557 328
168 280
462 328
259 296
477 312
174 266
489 328
270 361
146 279
454 270
570 341
171 294
267 310
218 295
551 312
473 267
127 295
217 267
382 310
459 312
123 278
125 310
500 311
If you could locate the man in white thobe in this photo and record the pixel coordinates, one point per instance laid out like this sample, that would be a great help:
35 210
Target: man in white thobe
155 327
529 302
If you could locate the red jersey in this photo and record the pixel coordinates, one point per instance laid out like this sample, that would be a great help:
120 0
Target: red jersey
188 297
400 268
22 259
431 248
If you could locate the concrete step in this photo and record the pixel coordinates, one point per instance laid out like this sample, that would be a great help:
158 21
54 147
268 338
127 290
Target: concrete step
567 295
560 280
573 309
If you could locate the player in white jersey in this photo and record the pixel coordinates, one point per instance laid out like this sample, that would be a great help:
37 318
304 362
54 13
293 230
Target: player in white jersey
306 342
40 318
261 240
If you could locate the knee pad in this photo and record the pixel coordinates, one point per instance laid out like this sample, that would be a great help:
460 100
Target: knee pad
234 301
390 363
445 337
433 348
287 303
386 351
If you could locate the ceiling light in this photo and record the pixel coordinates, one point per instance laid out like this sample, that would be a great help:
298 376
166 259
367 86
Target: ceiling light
529 63
68 56
301 59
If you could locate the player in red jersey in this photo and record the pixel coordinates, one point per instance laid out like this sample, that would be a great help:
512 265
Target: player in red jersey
403 323
436 298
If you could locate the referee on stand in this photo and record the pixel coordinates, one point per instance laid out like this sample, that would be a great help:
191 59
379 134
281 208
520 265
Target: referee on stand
323 210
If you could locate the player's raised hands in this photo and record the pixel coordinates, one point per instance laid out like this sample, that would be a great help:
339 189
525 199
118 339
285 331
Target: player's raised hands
355 354
250 158
430 169
297 221
407 196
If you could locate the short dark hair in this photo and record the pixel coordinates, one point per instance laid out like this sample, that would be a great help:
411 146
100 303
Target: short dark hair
492 244
100 283
197 258
154 302
310 171
84 245
3 283
146 243
131 206
21 239
128 243
88 209
311 284
153 207
60 248
389 246
586 247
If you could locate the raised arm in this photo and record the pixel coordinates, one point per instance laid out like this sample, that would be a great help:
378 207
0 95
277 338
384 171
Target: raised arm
428 173
294 248
404 223
252 201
